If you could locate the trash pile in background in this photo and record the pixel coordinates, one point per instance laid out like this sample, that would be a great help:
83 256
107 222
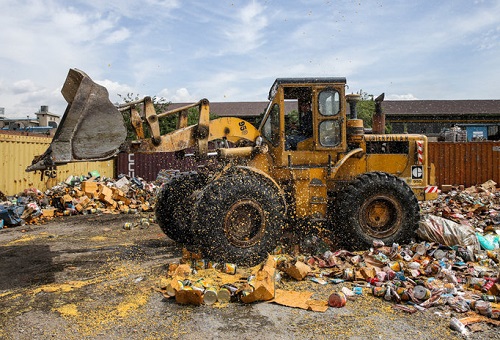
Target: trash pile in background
467 211
78 195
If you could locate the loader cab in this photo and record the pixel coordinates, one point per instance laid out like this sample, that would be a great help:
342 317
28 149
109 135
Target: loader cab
305 120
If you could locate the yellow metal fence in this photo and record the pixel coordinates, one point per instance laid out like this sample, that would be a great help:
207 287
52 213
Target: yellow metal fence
16 153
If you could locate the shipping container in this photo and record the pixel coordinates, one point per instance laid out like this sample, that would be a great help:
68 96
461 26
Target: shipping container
16 153
466 164
148 165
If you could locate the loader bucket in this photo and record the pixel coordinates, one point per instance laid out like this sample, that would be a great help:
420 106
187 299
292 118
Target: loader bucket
92 128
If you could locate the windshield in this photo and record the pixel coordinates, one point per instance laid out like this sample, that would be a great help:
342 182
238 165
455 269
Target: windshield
266 114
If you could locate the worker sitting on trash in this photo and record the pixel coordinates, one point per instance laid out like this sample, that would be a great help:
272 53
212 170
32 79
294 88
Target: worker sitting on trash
305 128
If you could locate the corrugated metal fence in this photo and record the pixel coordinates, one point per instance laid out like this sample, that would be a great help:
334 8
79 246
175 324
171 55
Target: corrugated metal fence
16 153
465 163
468 163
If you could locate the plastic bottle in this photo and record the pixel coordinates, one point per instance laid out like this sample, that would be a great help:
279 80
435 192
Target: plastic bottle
457 325
490 298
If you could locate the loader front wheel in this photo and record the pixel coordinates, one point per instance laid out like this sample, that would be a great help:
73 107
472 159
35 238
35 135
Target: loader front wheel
375 206
175 203
239 219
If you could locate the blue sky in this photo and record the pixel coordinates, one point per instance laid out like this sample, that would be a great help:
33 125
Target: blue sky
233 50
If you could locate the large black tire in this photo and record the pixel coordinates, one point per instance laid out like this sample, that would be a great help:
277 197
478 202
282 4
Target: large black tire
175 203
375 206
239 218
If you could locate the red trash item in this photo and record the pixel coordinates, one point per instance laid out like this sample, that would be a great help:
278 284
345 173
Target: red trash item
487 286
337 300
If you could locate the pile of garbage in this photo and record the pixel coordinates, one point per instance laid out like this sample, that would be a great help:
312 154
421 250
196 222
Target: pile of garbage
415 277
78 195
455 264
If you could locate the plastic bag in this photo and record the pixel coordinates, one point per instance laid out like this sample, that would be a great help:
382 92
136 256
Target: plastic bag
11 215
441 230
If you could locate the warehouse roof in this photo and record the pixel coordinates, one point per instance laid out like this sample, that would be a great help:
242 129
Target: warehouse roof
390 107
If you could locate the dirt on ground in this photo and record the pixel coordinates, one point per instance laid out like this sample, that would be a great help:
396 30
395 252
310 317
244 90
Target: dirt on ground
87 277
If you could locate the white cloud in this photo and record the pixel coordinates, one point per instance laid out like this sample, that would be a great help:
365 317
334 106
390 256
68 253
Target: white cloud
24 86
246 32
119 35
116 90
408 96
180 95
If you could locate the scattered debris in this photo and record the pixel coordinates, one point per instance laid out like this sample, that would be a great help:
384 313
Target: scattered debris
454 264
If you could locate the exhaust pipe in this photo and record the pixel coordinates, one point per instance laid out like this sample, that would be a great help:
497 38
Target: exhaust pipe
378 120
352 99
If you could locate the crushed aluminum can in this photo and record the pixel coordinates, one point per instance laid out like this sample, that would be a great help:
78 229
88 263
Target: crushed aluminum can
202 283
210 296
490 298
483 307
336 281
381 276
403 293
397 266
487 286
199 264
318 280
228 268
391 274
379 291
224 295
457 325
357 290
421 293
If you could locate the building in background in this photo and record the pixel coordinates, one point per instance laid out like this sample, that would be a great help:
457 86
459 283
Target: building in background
45 122
479 119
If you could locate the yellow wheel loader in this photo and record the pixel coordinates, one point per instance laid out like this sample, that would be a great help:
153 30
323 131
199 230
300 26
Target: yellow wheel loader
361 185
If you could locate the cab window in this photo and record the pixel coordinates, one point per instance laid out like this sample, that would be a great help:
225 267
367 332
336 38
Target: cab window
329 102
330 133
271 128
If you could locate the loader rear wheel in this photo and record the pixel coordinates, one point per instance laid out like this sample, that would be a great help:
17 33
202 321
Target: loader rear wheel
175 203
375 206
239 219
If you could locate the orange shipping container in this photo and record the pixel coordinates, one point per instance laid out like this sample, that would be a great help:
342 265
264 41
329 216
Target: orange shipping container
468 163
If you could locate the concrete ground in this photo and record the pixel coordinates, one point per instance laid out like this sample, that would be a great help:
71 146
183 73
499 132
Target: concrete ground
86 277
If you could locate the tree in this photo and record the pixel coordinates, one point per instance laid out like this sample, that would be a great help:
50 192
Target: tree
167 124
366 109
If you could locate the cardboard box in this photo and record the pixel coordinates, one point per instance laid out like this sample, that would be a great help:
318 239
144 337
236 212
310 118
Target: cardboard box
66 199
104 191
49 212
90 188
